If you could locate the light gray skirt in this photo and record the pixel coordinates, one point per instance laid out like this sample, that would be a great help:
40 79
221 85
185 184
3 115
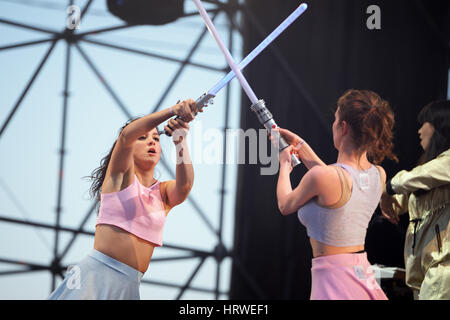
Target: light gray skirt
99 277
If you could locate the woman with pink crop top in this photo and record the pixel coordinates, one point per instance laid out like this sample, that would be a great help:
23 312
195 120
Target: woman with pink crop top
133 207
335 202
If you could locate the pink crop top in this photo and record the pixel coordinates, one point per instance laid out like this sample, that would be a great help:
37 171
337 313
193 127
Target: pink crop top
136 209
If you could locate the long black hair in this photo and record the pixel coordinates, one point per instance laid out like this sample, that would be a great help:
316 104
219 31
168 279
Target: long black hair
98 175
436 113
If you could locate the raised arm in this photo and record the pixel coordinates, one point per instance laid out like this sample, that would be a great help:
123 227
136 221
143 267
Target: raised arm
301 149
178 190
122 155
313 184
428 176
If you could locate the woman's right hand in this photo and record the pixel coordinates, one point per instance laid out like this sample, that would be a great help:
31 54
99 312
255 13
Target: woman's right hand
178 129
186 110
285 158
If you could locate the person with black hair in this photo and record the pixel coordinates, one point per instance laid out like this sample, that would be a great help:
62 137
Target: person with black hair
133 207
424 192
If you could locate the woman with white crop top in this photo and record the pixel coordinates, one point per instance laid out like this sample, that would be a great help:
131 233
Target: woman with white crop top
133 207
335 202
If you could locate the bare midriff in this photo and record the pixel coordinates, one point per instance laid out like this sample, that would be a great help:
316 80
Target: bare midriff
123 246
320 249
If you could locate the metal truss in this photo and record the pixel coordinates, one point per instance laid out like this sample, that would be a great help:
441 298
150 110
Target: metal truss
72 39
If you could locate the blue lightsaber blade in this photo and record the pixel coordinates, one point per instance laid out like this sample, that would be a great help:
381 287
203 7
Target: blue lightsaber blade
275 33
258 106
207 97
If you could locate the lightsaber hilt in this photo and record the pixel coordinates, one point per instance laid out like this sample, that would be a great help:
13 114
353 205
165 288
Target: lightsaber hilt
266 119
202 102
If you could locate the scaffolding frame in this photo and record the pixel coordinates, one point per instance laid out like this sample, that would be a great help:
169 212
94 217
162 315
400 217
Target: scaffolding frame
72 39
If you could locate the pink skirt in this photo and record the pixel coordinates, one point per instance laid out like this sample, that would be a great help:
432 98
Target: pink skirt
344 277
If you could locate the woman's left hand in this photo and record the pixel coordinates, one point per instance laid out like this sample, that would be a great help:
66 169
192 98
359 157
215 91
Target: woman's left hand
178 129
285 157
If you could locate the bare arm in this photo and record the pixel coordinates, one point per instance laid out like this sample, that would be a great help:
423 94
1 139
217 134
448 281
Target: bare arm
122 156
143 125
302 149
291 200
307 155
391 206
178 190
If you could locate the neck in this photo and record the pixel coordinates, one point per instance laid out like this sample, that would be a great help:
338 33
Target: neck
145 176
348 155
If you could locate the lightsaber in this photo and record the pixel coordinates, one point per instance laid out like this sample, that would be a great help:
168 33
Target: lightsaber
207 97
258 106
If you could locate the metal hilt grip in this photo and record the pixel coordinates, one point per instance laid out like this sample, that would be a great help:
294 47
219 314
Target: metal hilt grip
202 102
266 119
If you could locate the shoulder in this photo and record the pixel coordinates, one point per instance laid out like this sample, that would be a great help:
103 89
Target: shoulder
382 173
446 153
443 157
322 174
325 183
320 171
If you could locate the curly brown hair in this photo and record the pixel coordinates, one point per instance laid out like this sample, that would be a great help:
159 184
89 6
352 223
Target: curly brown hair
371 120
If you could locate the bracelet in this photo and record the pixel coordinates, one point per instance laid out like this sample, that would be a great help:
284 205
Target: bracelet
389 190
299 145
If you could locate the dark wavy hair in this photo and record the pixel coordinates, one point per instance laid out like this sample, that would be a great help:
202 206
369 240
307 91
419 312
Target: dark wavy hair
372 122
98 175
437 113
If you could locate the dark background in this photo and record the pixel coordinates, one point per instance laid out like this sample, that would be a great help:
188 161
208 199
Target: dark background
328 50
